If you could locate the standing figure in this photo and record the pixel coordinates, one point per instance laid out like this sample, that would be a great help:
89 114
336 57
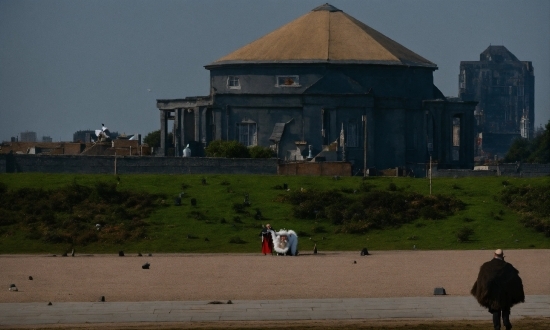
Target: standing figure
498 288
267 239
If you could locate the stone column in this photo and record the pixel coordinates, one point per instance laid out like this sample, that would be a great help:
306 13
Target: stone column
163 133
197 114
177 131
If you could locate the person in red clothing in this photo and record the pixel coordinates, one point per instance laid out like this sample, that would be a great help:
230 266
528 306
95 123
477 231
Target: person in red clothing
267 239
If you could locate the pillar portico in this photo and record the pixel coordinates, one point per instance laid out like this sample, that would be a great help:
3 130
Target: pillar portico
163 132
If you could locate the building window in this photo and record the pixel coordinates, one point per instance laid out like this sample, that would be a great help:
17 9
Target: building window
246 133
456 132
352 138
456 139
288 81
233 82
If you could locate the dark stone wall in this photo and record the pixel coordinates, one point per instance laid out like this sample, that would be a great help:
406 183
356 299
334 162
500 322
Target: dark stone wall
523 170
135 165
382 80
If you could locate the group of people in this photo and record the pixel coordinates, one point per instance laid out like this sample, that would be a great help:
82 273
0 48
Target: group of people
283 242
498 286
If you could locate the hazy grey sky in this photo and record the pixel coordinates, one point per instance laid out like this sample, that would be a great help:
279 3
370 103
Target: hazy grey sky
71 65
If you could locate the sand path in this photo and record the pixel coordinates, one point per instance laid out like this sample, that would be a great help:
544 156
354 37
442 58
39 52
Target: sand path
254 276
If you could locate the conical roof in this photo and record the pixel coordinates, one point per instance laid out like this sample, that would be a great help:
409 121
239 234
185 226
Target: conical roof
325 35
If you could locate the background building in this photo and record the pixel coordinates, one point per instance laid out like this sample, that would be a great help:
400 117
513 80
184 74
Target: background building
28 136
505 89
86 136
326 87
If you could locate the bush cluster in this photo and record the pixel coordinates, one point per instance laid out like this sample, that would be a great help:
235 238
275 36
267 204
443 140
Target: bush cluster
234 149
532 202
71 214
372 209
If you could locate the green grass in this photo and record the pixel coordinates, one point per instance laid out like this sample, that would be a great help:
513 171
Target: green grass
177 229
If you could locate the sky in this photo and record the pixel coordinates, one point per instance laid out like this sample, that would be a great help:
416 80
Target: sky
70 65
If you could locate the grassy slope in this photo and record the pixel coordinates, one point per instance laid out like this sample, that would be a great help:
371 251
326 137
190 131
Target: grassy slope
170 226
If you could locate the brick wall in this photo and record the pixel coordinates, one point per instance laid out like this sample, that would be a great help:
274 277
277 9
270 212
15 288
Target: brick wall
122 143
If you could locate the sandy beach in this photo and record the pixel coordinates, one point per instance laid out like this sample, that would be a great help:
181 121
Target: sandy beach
223 277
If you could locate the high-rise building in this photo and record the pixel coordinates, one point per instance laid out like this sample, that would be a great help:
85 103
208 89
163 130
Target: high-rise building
505 89
28 136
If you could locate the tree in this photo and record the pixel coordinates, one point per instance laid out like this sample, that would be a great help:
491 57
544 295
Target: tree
536 150
519 151
541 152
153 139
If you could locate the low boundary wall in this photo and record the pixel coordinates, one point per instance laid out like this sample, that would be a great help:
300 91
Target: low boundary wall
512 169
316 169
15 163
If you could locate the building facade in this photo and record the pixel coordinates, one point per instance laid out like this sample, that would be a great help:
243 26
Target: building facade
505 89
326 87
28 136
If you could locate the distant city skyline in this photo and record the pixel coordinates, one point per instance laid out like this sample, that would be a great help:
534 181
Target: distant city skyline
68 66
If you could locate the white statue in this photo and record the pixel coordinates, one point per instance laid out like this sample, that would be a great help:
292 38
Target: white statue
187 151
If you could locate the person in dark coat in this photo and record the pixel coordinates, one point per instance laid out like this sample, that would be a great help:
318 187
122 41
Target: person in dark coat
498 288
267 239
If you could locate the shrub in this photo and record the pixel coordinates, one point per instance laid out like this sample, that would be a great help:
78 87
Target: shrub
227 149
318 229
260 152
375 209
197 215
464 234
69 214
366 186
239 207
527 199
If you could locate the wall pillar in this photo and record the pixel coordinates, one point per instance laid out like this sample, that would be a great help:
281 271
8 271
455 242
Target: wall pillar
178 149
163 133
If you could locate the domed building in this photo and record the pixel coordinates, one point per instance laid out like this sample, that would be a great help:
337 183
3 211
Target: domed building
327 87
